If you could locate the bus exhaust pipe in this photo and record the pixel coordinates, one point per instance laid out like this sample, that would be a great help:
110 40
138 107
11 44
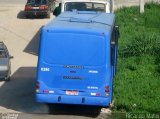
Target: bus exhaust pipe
83 100
59 98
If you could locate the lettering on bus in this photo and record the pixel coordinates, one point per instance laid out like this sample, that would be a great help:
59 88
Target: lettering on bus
93 71
92 87
45 69
73 66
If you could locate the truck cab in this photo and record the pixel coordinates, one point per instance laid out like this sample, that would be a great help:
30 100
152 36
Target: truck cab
87 5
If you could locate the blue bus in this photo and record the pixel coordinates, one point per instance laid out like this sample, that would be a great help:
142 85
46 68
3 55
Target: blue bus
77 59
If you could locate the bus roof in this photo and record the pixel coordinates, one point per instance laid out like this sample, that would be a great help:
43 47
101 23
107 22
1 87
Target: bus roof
82 21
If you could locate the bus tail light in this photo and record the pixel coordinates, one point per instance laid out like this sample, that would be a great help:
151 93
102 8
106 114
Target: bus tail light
107 89
46 91
37 85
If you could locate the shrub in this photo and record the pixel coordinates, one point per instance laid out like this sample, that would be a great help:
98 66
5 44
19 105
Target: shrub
142 44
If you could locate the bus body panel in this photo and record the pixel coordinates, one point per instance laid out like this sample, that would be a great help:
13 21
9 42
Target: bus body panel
81 100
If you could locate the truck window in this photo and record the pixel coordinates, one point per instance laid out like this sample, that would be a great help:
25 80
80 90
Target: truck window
84 6
3 54
31 2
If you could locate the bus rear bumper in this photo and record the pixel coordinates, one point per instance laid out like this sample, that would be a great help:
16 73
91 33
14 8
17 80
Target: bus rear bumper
65 99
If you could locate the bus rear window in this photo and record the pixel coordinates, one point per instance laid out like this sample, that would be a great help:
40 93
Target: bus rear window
74 49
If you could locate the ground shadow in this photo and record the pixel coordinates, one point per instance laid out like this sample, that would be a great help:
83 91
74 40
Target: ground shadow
33 45
19 93
21 15
157 62
77 110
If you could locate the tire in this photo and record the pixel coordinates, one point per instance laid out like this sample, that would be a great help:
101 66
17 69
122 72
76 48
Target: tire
52 109
111 105
51 10
27 16
48 15
8 79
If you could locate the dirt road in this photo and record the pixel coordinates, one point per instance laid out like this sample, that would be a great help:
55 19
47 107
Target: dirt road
21 37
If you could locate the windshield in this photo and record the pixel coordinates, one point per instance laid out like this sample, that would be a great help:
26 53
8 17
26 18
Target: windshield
84 6
3 54
36 2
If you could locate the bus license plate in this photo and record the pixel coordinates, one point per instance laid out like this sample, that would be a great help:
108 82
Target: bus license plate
71 92
35 8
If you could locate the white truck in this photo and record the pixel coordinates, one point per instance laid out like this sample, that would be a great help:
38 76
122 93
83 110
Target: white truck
87 5
83 5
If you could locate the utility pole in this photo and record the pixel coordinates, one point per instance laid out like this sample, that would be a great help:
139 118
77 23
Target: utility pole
112 6
141 4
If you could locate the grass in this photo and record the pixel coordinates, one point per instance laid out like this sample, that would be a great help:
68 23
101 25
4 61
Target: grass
137 83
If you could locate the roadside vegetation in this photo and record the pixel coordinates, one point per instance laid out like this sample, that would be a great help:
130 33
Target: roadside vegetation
137 83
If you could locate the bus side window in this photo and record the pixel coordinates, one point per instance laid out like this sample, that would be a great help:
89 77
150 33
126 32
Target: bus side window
113 41
117 33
